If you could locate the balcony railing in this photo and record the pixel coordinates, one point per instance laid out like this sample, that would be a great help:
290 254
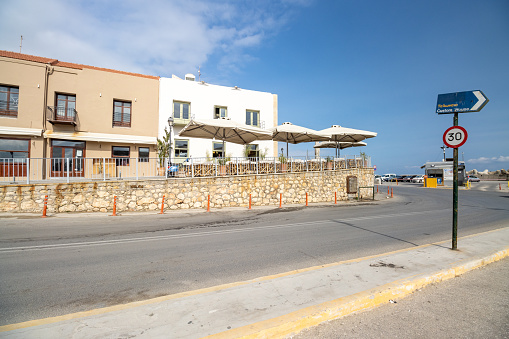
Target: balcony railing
31 170
181 121
62 115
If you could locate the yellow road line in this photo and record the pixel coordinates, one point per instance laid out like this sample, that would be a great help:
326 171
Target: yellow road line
120 307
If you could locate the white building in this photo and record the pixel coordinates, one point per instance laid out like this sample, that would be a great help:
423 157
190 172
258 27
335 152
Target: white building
186 99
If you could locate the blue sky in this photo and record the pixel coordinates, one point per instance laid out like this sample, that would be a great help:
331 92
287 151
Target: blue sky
372 65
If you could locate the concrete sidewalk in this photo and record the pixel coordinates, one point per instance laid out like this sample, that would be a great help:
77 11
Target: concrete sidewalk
279 305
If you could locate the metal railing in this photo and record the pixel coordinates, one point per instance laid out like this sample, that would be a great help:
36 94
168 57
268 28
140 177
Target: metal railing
57 113
32 170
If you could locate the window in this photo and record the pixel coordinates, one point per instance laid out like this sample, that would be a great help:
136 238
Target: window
253 118
122 153
143 154
13 154
122 113
181 110
217 149
181 148
9 101
220 112
14 148
65 107
253 151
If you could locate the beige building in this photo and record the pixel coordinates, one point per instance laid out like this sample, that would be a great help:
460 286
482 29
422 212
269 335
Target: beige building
75 116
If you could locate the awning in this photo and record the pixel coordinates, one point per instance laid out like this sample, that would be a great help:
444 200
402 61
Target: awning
34 132
102 137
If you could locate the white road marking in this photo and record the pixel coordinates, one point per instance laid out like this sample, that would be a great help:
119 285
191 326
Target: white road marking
206 233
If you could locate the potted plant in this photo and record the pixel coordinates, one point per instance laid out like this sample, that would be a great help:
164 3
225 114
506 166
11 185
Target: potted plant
246 151
163 148
364 158
263 154
329 160
222 164
283 160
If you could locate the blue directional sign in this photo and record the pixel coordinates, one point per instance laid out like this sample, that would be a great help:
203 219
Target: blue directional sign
461 102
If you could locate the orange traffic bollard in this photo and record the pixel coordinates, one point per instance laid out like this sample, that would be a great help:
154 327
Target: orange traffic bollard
114 206
388 190
499 187
306 198
208 204
392 192
376 188
280 199
162 206
335 197
249 200
45 206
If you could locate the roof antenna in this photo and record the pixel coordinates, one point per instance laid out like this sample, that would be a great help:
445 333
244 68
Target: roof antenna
20 43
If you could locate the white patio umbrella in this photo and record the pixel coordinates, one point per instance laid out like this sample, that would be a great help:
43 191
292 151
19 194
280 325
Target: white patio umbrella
290 133
339 145
345 134
224 129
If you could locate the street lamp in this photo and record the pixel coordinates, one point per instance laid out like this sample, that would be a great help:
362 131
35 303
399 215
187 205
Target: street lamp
443 148
170 123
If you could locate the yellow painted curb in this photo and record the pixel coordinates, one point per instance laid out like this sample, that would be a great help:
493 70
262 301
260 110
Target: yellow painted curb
293 323
77 315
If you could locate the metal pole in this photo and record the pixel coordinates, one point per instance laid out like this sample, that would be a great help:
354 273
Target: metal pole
67 160
455 194
28 171
104 169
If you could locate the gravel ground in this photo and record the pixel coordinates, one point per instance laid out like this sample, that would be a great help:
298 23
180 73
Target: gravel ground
474 305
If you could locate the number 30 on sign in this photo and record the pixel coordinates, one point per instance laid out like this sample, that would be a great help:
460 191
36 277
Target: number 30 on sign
455 136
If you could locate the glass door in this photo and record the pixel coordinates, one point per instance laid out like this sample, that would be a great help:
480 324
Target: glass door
67 156
66 106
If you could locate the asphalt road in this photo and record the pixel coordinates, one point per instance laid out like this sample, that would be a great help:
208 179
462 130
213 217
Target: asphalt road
473 305
60 265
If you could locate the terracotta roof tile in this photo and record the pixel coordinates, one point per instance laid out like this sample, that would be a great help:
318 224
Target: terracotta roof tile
55 62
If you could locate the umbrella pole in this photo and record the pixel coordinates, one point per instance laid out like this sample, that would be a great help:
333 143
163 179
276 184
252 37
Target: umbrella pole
287 149
223 148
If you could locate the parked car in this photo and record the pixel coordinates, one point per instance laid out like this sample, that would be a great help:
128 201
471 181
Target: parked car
408 178
418 179
473 178
398 178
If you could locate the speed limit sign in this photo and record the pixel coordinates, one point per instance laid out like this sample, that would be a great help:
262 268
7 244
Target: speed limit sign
455 136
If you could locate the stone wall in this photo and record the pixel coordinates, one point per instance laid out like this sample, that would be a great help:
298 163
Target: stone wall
184 193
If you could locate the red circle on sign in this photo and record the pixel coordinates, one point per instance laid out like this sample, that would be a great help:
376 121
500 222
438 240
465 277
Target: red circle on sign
455 136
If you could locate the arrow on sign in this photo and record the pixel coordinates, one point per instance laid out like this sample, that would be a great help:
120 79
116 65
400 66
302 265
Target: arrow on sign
481 98
461 102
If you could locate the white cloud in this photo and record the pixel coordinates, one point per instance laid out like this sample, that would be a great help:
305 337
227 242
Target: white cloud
154 37
485 160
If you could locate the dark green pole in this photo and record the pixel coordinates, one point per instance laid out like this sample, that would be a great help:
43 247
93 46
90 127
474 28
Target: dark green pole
455 194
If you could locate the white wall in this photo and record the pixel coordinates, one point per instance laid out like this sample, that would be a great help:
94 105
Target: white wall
203 98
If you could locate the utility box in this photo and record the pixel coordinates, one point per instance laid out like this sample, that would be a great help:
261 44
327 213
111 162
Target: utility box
443 172
430 182
351 184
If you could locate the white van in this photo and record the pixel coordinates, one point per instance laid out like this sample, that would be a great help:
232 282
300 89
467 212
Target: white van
388 176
